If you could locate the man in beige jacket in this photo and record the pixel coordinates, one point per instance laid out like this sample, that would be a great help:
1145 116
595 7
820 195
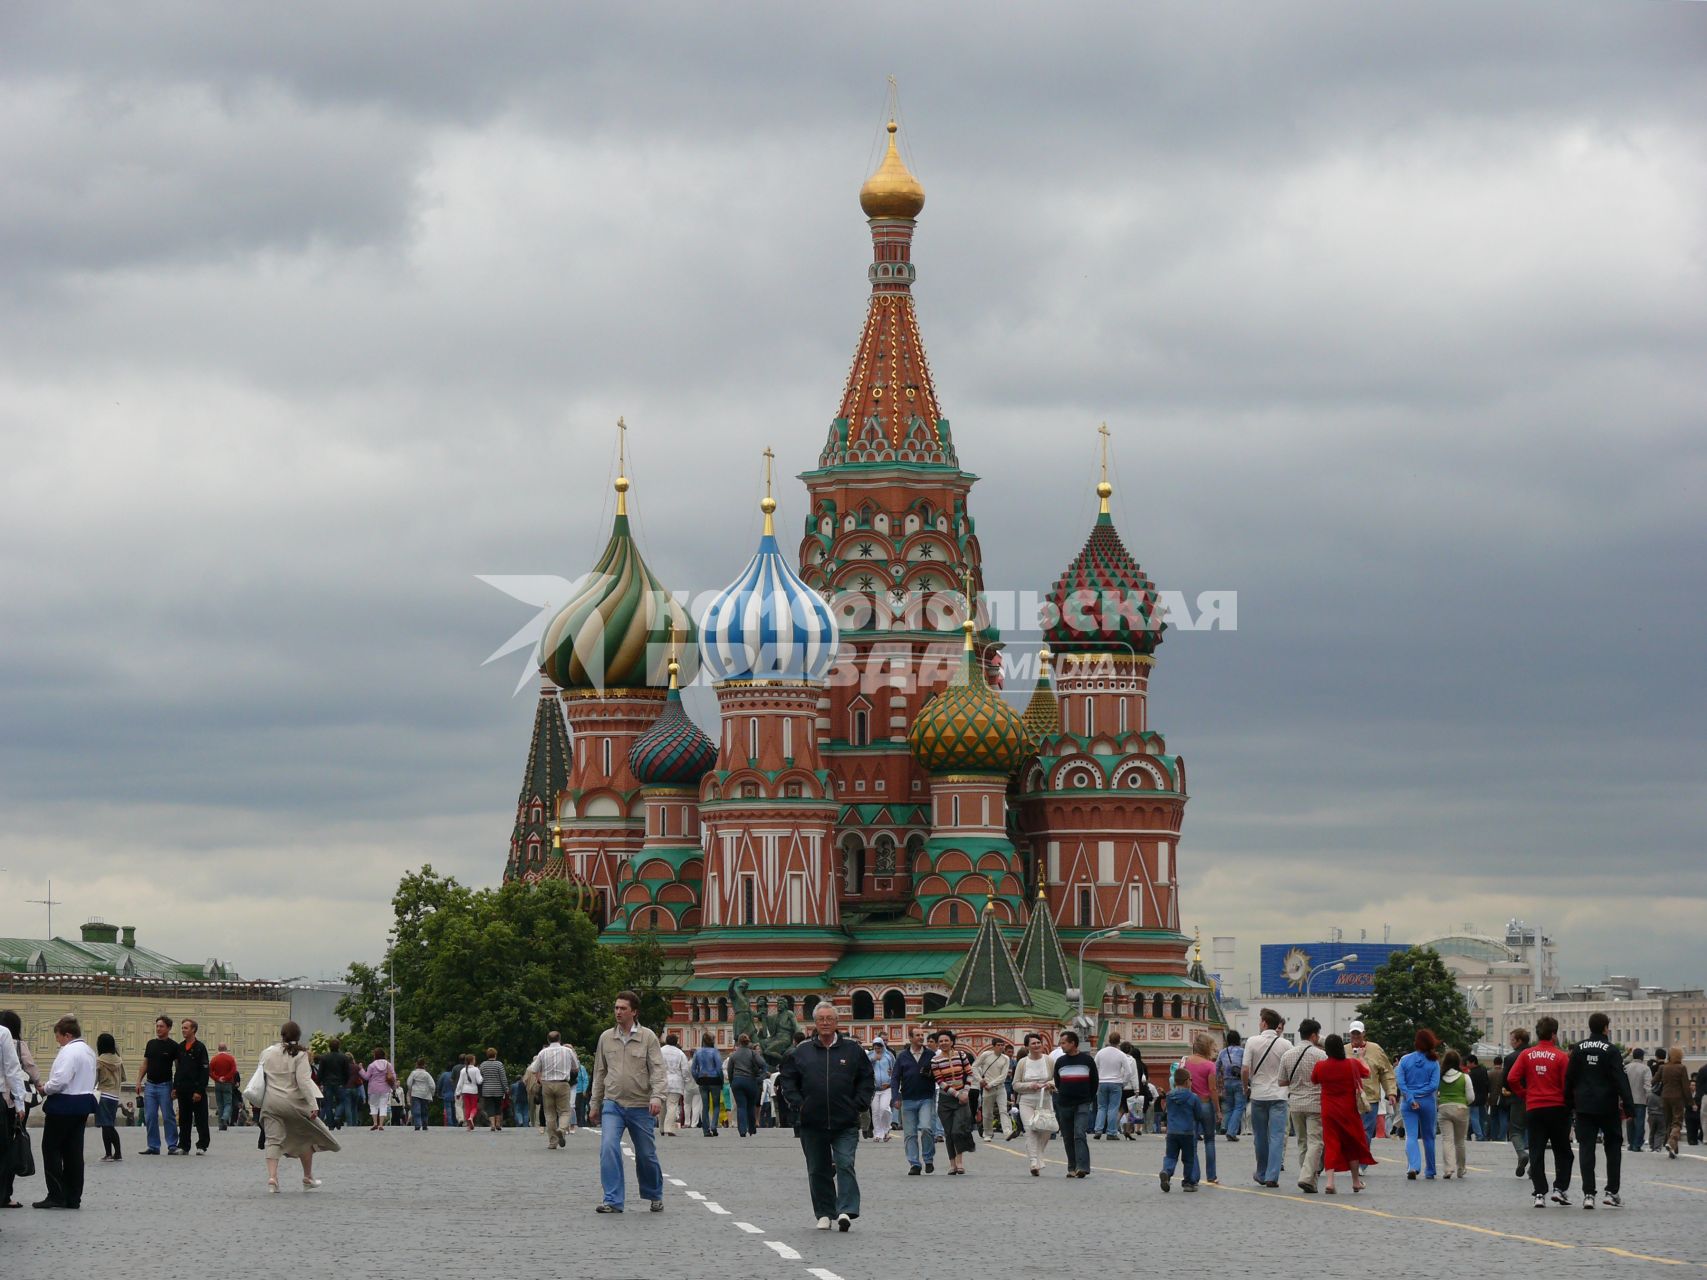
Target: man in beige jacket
627 1095
1379 1083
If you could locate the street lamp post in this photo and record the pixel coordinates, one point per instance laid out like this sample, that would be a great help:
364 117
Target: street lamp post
391 999
1098 936
1337 966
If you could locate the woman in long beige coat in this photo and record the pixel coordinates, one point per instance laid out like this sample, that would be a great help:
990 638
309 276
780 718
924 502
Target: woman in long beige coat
289 1112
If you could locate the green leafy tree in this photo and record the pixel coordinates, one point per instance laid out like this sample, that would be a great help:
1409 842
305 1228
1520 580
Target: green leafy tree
1414 989
639 967
479 968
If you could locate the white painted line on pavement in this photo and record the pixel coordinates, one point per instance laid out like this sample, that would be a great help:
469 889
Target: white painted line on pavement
822 1273
750 1229
675 1182
694 1195
716 1208
783 1251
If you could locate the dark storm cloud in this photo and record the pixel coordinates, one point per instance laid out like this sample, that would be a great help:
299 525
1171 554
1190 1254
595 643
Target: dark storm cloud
307 317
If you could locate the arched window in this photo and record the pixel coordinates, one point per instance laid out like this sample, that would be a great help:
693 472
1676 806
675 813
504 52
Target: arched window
1138 1006
1176 1006
934 1000
954 912
860 734
753 737
1156 1005
894 1004
808 1005
864 1007
853 863
723 1008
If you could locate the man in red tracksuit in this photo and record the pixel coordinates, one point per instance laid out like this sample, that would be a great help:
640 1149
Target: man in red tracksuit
1538 1077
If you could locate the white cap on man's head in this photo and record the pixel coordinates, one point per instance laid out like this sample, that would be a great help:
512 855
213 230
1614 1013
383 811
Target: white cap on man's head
1354 1025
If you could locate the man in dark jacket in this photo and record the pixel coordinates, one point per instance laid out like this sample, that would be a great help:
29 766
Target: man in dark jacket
334 1068
915 1097
1479 1083
1598 1090
828 1082
191 1086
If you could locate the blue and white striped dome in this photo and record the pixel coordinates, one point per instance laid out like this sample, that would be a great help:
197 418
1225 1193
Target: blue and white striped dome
768 624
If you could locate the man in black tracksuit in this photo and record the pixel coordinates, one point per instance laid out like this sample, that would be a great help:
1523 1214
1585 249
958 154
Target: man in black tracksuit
190 1083
1598 1090
828 1082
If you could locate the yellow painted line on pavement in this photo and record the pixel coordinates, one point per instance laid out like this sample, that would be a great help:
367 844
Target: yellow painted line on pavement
1640 1257
1678 1186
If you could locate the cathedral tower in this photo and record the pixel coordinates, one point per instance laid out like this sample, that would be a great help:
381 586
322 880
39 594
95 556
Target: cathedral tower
608 650
887 539
768 808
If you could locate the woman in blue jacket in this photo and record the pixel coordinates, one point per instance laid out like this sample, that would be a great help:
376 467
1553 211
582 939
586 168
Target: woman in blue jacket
1418 1075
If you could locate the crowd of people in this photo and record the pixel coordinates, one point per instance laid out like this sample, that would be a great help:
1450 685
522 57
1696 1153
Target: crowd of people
1329 1095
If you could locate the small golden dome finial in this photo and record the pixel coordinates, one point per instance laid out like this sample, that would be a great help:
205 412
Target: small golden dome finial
892 192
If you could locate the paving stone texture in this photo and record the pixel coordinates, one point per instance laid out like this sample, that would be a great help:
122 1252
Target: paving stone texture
448 1204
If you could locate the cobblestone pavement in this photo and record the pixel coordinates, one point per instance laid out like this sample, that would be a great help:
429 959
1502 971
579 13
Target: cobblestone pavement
449 1204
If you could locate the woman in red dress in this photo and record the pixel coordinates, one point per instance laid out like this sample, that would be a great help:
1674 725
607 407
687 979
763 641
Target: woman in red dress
1345 1147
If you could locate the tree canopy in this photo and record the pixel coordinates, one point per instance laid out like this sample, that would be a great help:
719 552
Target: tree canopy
1415 989
474 968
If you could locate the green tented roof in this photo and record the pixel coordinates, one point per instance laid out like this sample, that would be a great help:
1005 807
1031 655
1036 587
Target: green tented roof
1163 980
989 979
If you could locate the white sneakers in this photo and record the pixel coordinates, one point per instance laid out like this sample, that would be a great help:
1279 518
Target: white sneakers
1540 1200
823 1224
843 1222
1588 1200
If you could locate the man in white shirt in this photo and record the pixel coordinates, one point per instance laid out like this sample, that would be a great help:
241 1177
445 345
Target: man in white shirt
675 1083
555 1067
70 1091
1264 1053
1111 1062
1304 1100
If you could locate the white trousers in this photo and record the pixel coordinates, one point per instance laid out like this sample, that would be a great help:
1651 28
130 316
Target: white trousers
881 1118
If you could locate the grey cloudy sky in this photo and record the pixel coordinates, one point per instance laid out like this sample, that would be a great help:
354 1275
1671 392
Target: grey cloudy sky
311 314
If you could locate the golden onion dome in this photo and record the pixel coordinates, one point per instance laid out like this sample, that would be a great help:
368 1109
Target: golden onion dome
892 192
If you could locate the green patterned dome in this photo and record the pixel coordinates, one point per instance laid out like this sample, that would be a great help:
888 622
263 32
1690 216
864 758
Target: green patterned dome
968 727
615 632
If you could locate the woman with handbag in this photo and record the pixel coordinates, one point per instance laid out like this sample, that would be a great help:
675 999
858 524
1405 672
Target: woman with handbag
1033 1083
17 1090
285 1093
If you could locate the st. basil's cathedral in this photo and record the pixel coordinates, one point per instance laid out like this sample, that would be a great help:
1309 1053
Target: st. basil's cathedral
874 823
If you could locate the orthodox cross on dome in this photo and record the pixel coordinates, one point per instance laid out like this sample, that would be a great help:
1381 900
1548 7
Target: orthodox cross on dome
1104 488
621 467
768 504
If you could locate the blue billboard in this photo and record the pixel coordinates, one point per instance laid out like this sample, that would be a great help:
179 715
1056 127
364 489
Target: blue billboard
1288 966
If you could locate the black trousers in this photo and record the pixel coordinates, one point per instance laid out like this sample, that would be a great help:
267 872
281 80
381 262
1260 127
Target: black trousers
62 1158
189 1109
1550 1127
8 1126
1609 1132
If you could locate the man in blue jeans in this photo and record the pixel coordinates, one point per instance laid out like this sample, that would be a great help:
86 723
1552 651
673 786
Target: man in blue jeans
628 1096
915 1091
1111 1063
1261 1074
159 1064
1229 1064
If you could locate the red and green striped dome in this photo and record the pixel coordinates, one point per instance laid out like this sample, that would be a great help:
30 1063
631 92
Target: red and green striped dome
674 751
1104 602
615 632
